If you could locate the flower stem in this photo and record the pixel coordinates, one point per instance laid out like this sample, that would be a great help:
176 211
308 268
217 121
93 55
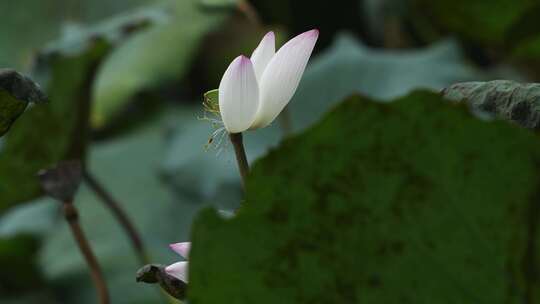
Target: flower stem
119 214
72 218
241 159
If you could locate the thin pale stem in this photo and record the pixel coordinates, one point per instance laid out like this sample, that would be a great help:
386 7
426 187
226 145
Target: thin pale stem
241 159
72 218
119 214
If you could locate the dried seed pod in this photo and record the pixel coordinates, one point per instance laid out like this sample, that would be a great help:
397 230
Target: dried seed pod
154 273
16 91
20 86
513 101
61 182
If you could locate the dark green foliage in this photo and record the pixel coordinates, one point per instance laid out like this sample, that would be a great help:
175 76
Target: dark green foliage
412 202
302 15
18 266
483 21
510 26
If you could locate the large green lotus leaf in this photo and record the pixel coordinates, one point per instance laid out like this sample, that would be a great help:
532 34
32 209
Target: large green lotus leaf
347 67
416 201
162 53
32 218
18 50
42 21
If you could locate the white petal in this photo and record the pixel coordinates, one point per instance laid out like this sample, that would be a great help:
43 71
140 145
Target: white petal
181 248
178 270
238 95
263 54
282 76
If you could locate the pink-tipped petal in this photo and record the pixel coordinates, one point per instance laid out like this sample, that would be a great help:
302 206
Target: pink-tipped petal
263 54
178 270
238 95
181 248
282 77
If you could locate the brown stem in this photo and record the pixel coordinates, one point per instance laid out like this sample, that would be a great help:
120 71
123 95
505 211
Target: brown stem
119 214
241 159
72 218
250 12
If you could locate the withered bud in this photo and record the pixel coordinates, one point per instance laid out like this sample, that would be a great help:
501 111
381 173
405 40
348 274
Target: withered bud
62 181
21 87
154 273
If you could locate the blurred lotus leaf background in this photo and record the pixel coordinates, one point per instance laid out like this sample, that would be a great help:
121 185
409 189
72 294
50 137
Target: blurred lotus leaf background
400 172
